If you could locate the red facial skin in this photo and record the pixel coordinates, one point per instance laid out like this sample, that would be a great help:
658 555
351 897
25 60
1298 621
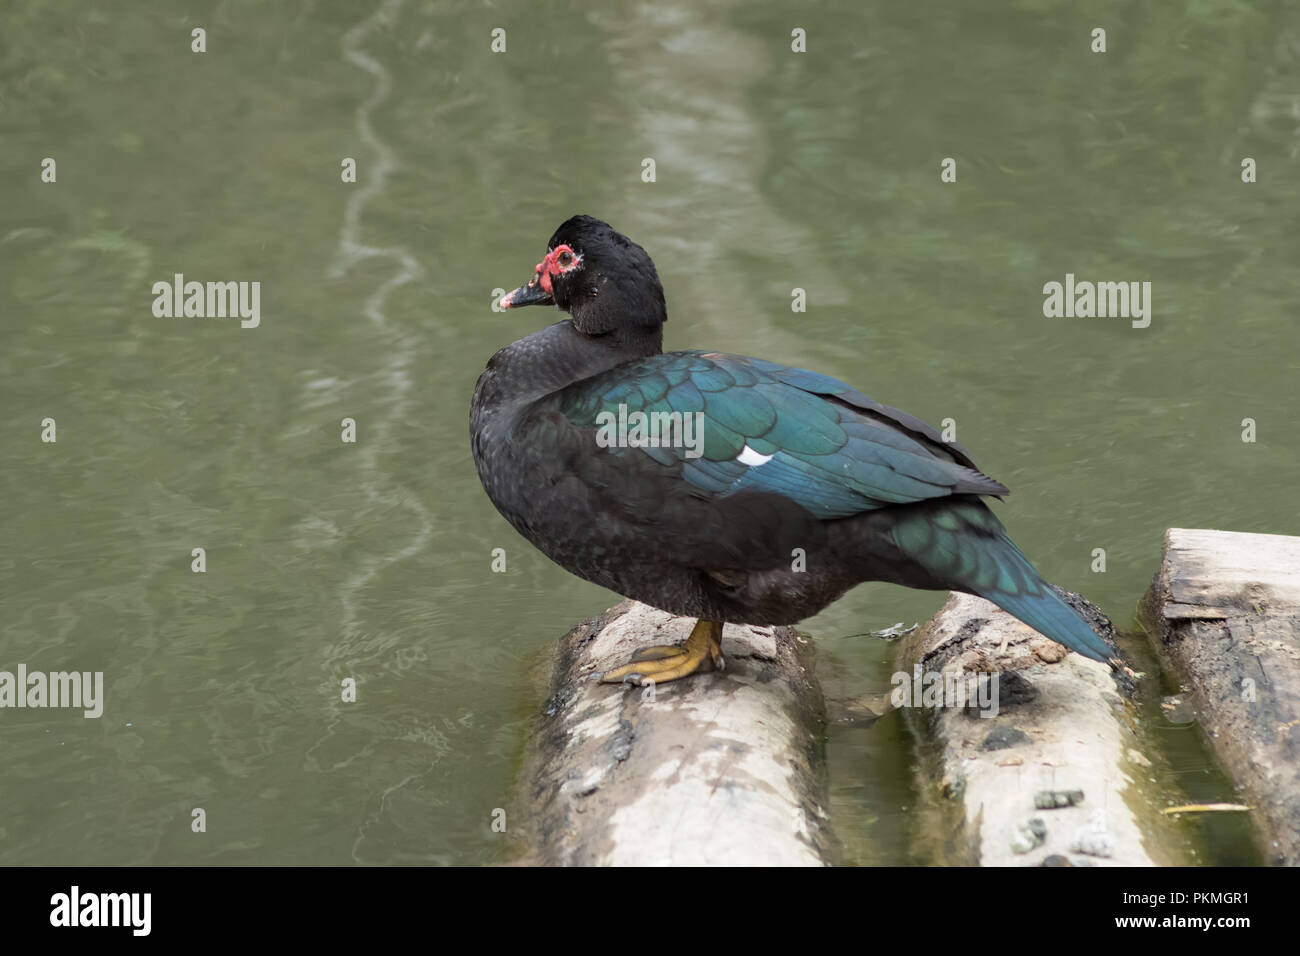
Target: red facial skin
550 267
546 270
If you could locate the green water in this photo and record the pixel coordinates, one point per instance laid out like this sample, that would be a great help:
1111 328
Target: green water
774 170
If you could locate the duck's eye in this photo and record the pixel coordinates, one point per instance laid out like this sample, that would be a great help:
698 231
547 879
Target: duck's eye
564 259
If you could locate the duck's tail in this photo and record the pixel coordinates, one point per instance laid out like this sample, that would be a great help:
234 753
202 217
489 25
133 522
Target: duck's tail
962 544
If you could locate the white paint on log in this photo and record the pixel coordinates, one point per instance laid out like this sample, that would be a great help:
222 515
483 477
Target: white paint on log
1235 642
1079 734
717 769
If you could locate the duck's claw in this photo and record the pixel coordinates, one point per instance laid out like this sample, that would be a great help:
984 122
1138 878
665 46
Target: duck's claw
701 652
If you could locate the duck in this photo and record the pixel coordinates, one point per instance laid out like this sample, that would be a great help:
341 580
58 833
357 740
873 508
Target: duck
769 492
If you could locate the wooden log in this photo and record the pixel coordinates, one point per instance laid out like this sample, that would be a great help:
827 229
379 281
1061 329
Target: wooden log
1052 778
1224 612
717 769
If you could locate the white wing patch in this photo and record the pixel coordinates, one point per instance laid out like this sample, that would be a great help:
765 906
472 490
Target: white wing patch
752 458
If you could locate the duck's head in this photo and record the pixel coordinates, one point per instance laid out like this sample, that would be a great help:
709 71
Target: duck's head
604 280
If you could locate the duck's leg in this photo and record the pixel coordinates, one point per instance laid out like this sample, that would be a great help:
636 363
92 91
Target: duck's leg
701 652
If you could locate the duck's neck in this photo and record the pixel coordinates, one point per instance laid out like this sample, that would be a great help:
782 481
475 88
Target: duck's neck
554 357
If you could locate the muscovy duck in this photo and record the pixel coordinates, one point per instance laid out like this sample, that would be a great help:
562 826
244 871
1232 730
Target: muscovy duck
795 488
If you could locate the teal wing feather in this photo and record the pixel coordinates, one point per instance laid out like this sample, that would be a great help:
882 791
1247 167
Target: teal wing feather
770 428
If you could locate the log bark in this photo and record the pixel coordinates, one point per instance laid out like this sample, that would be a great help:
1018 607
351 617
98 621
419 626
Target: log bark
1224 613
1053 778
716 769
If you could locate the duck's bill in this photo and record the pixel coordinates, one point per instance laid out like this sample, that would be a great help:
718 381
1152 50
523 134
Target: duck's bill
530 294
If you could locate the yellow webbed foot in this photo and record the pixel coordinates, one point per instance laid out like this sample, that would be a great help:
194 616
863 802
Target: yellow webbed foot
701 652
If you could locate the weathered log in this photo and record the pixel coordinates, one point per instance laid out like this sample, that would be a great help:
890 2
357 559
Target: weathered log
1050 777
724 768
1224 612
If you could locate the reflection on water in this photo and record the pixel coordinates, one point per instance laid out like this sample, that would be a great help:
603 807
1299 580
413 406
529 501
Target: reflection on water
774 171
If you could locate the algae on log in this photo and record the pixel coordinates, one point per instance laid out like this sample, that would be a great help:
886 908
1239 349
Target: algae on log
1047 779
1225 608
716 769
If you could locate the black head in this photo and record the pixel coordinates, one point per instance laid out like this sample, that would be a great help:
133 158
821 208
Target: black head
604 280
